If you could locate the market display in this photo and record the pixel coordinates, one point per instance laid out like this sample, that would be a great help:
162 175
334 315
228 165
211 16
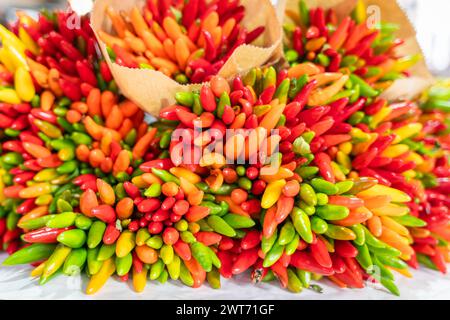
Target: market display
287 173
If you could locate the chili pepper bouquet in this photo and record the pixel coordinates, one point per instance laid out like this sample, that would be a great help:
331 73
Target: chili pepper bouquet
320 177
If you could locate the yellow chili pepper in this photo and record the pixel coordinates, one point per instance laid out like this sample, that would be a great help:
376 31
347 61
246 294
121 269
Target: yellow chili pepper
415 157
37 272
43 199
407 131
35 190
9 37
340 176
346 147
48 129
379 116
395 151
24 84
56 260
99 279
392 209
186 174
359 12
6 60
28 41
344 160
283 173
9 95
406 62
394 226
321 96
17 57
272 193
125 243
361 147
379 190
139 280
46 174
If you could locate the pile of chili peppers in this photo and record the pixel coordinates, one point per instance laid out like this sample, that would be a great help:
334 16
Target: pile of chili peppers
320 178
188 42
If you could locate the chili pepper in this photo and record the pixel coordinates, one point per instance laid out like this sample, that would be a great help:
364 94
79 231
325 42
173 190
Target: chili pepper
30 254
43 235
75 261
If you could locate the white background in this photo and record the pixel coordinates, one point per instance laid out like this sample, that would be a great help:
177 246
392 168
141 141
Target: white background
16 283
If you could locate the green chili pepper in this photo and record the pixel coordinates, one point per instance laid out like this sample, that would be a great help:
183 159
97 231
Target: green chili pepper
294 283
273 255
305 277
185 98
155 242
185 275
339 232
201 253
30 254
165 176
302 224
35 223
344 186
214 208
82 222
213 278
410 221
75 262
371 240
360 234
318 225
174 268
74 238
123 264
95 234
62 220
156 269
106 251
363 256
307 194
166 253
224 189
224 100
11 220
187 237
386 251
307 171
237 221
287 233
321 185
322 199
384 272
392 261
332 212
221 226
291 247
390 285
267 243
309 210
282 91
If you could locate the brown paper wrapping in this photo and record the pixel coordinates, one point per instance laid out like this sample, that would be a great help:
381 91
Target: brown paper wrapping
390 11
152 90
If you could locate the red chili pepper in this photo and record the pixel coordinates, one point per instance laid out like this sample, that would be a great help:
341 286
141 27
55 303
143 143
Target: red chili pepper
245 260
284 207
5 122
138 265
297 41
164 164
44 235
111 234
226 243
210 48
311 116
190 11
182 249
226 261
48 116
105 72
251 239
281 273
323 161
320 253
345 249
322 126
254 34
71 90
338 264
86 73
304 261
105 213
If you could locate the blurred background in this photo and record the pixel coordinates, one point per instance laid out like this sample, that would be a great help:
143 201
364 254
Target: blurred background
430 18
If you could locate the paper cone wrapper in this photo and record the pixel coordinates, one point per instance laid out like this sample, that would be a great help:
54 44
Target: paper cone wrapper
389 11
152 90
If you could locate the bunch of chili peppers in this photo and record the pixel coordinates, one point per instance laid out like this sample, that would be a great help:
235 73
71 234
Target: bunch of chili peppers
321 178
188 42
369 52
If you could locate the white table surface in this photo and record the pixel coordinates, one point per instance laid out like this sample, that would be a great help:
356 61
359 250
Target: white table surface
15 283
